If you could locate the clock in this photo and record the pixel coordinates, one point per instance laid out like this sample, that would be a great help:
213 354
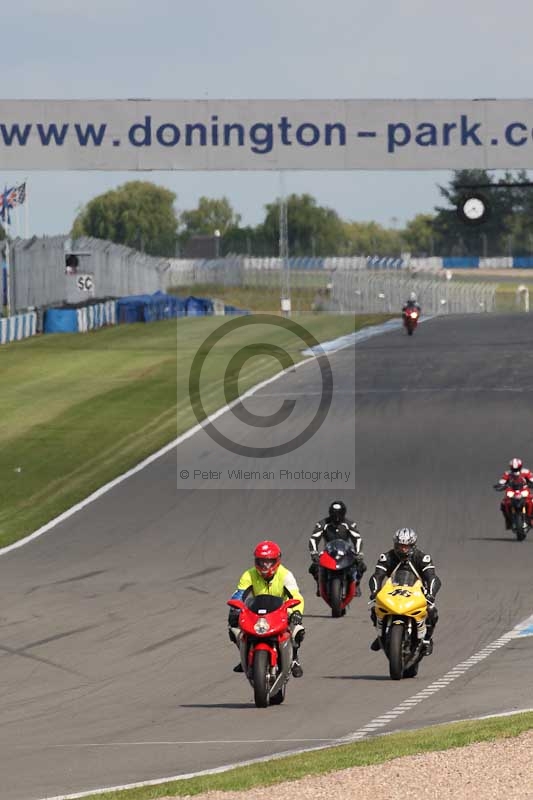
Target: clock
473 209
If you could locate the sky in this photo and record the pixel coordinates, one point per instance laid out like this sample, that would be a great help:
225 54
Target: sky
248 49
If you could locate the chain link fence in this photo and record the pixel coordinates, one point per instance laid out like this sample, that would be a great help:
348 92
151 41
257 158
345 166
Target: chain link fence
39 277
358 291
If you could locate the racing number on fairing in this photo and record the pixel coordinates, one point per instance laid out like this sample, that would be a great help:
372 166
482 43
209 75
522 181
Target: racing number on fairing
403 592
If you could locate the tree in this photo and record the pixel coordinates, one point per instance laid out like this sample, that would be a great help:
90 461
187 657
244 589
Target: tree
210 215
509 226
420 236
138 214
370 238
312 230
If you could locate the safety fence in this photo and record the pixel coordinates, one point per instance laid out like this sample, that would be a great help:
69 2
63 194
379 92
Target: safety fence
38 275
18 327
358 291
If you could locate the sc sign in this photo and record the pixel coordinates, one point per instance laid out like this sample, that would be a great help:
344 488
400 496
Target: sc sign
85 283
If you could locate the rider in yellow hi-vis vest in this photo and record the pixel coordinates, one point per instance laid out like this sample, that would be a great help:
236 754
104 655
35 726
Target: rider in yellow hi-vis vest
269 576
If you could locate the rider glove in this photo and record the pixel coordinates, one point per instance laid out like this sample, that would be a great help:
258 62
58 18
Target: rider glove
296 618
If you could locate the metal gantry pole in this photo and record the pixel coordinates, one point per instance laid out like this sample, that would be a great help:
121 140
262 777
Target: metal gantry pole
284 252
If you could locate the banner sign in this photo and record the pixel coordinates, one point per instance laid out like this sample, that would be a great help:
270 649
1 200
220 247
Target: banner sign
265 134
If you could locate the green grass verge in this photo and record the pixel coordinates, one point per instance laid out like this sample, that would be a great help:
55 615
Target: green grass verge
506 296
304 290
78 410
375 750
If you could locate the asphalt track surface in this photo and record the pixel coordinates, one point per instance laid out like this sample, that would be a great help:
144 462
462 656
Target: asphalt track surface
114 655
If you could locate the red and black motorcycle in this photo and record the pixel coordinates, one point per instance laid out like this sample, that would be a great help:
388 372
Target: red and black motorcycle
336 575
410 320
266 646
519 505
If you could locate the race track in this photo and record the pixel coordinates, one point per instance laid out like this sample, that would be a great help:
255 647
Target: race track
114 656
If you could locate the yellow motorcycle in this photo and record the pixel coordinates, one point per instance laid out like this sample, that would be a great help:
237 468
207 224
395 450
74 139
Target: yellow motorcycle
401 614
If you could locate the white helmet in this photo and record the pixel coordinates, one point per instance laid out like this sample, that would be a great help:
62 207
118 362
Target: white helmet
412 297
404 541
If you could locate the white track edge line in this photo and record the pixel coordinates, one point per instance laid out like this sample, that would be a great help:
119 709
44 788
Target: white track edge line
376 330
362 733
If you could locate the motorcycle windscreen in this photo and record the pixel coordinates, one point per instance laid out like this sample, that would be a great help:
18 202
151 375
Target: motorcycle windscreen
264 603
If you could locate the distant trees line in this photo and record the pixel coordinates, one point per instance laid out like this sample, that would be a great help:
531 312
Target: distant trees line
141 215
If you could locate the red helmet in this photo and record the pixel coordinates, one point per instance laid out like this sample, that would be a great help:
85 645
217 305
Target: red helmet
515 464
267 559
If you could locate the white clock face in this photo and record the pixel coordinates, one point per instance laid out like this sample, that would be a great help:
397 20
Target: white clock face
474 208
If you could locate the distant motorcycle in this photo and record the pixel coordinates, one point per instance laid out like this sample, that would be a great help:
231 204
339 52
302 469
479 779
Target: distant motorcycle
410 320
401 611
519 499
266 646
518 505
336 581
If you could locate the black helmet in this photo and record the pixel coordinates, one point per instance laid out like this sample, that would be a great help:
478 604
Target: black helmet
337 512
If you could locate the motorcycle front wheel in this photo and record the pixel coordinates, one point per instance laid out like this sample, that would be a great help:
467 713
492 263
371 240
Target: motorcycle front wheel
520 527
261 678
335 597
396 652
278 698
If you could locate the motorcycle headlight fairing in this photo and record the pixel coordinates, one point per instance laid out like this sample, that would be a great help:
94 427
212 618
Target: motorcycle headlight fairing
261 626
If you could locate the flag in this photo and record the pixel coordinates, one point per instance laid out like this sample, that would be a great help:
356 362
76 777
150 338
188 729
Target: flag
21 194
10 198
6 203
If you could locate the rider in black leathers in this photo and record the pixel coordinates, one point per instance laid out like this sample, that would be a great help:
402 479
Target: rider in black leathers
406 552
336 526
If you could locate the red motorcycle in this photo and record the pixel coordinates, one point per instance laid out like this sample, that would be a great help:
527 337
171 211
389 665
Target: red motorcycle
410 320
519 505
336 581
266 646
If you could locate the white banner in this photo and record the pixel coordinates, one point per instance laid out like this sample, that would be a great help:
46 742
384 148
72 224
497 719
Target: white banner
265 134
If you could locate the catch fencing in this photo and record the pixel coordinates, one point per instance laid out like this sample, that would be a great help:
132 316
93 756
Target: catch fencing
39 278
247 272
357 291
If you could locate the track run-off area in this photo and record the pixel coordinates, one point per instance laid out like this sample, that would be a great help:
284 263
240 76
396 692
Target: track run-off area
114 653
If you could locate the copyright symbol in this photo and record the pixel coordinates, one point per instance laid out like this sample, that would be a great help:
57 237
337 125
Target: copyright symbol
184 474
231 382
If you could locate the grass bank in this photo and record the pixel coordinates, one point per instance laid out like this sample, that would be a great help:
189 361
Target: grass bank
78 410
306 289
507 300
375 750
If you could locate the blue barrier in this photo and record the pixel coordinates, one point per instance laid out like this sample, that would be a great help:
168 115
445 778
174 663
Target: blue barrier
79 320
60 320
234 311
150 307
199 306
523 262
458 262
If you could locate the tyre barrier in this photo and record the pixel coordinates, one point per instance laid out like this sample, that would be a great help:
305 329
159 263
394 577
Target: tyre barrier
21 326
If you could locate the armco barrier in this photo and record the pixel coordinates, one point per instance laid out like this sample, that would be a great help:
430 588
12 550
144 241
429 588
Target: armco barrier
19 327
